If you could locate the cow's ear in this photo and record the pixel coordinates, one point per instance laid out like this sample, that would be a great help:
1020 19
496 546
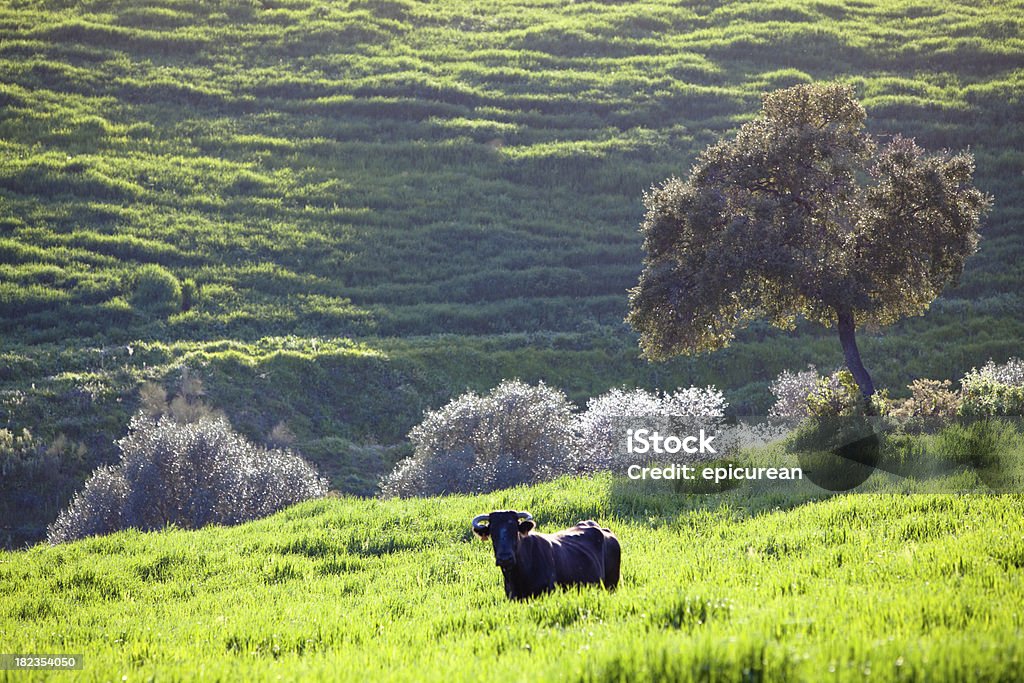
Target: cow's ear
482 532
525 526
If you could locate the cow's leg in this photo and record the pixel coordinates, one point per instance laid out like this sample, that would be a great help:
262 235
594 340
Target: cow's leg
612 558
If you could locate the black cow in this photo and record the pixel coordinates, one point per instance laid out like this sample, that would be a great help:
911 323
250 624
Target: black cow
534 563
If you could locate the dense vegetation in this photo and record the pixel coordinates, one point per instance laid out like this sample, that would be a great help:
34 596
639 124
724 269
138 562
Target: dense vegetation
736 586
240 187
182 464
187 475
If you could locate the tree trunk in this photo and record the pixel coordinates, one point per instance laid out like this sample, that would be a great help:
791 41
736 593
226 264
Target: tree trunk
847 337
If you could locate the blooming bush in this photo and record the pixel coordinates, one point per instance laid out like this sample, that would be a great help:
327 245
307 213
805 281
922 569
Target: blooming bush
95 510
1010 373
791 390
516 434
189 475
601 429
799 395
993 390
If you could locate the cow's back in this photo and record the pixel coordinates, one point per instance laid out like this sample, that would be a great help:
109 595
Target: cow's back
579 554
611 552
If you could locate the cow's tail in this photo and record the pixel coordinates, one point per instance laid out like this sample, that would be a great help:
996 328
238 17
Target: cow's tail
612 560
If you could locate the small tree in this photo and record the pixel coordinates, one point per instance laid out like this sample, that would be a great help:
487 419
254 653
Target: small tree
802 214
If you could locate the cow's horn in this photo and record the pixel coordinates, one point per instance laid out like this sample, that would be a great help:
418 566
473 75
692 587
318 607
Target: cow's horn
479 518
524 515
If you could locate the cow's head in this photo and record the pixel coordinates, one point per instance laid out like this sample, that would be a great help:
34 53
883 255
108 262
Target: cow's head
504 528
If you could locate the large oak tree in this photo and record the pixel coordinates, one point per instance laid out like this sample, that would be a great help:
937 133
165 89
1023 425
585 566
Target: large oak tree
802 213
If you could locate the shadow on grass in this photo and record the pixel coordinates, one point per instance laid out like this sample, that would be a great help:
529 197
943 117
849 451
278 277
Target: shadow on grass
840 456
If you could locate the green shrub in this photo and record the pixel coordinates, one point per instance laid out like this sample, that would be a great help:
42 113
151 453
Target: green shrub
836 396
156 290
14 450
849 436
929 398
838 442
35 481
980 444
189 294
993 390
902 452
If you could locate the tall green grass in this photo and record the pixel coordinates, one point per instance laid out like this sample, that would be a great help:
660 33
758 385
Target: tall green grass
725 587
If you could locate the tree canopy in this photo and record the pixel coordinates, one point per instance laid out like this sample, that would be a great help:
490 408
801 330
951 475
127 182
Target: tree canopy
802 213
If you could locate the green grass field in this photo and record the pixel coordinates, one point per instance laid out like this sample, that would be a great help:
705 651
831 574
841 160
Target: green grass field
739 586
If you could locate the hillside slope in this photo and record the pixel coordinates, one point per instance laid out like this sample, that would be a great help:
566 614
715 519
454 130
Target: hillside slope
453 185
391 167
895 587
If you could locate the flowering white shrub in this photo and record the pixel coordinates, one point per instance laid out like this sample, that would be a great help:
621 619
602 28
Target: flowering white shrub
602 429
993 390
188 475
697 404
799 395
791 390
1010 373
95 510
516 434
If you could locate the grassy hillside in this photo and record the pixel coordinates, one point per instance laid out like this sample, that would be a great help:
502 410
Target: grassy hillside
453 185
401 168
725 587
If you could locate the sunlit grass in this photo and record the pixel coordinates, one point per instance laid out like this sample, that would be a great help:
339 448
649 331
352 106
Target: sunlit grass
714 587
